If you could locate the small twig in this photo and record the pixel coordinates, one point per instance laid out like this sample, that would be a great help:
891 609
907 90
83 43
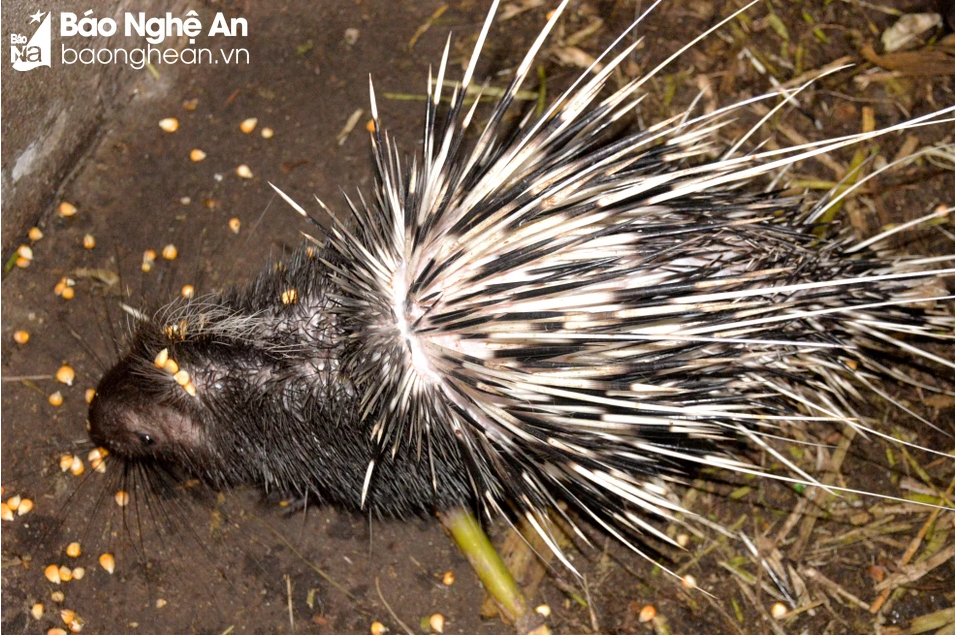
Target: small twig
802 609
420 31
730 620
918 570
394 616
942 494
824 158
816 73
815 575
587 594
907 556
819 496
312 566
941 619
349 126
880 527
288 590
749 594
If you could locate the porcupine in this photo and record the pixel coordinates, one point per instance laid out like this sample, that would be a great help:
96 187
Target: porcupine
550 306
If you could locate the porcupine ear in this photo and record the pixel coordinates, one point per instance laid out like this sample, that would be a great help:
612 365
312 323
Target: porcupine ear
520 295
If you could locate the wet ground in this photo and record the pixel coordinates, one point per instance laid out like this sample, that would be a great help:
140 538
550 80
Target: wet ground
242 563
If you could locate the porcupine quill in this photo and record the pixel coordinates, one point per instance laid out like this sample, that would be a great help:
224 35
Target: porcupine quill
553 313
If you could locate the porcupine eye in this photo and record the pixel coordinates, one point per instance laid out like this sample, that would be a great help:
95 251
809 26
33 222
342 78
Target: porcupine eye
129 418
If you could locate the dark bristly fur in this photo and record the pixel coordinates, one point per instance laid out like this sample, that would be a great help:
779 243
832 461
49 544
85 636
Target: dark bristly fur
274 409
554 311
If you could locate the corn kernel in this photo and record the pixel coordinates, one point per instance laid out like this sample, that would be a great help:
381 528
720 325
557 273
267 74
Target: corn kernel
108 563
52 573
65 374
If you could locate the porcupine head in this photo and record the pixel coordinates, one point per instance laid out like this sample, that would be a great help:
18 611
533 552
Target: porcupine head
244 388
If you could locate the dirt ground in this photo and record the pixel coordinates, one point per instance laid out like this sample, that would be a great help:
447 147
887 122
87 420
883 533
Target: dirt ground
243 563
